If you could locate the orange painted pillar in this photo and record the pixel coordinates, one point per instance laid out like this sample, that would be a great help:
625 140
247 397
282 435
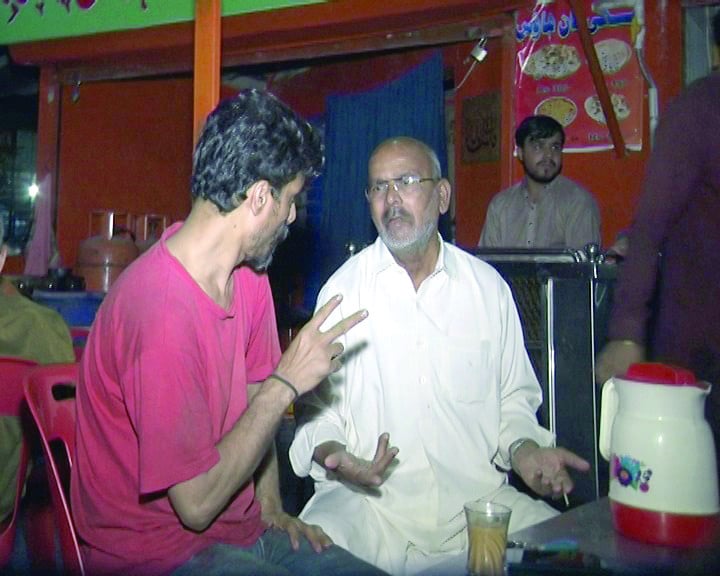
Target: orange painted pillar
206 75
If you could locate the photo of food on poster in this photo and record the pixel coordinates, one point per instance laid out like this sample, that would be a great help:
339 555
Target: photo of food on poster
552 76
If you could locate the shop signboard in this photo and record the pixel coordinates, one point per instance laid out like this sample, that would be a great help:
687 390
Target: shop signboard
552 76
30 20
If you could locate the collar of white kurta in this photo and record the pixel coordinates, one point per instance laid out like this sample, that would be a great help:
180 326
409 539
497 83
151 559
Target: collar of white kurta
384 259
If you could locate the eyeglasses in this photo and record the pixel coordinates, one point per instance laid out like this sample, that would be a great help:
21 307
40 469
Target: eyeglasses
404 185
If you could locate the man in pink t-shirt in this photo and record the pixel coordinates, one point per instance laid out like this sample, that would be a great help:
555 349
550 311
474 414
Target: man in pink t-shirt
182 384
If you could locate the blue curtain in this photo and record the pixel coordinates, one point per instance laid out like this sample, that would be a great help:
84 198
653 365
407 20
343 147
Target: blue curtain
412 105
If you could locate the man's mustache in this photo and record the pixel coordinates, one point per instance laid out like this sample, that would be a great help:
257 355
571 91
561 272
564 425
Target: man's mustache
550 163
395 212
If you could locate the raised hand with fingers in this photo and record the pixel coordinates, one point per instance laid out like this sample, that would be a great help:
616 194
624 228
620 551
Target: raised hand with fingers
365 473
312 355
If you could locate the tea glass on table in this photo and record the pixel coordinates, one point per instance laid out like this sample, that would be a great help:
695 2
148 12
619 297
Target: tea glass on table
487 526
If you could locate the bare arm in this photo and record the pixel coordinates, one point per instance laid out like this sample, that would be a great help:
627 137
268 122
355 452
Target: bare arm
199 500
267 491
311 356
267 476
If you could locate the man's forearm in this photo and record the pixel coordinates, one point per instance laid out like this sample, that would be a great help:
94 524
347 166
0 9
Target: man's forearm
267 482
199 500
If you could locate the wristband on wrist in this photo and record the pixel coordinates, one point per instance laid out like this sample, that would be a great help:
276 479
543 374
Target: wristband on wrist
286 382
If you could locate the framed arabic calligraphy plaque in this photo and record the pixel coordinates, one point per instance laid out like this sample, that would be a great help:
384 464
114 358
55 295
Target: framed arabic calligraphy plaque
481 128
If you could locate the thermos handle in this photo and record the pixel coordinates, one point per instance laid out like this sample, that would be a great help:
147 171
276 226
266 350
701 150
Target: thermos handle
608 409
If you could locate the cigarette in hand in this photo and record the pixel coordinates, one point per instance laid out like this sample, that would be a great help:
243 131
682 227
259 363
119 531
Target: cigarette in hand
567 502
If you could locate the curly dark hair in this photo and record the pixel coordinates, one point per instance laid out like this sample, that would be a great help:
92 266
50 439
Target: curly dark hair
536 127
250 137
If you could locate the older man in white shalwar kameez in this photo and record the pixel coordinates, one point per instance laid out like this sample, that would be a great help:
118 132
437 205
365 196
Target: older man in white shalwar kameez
440 368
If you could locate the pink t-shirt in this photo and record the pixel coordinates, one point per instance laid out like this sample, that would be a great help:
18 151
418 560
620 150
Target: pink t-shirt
163 378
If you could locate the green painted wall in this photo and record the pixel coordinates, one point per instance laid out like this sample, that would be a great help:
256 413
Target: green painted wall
29 20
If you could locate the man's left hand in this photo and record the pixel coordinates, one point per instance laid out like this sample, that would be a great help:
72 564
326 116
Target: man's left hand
297 529
544 470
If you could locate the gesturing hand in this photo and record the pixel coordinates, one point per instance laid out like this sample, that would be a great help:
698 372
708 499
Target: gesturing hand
313 354
368 474
544 470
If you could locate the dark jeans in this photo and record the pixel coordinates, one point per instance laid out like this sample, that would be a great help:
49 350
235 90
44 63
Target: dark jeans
272 555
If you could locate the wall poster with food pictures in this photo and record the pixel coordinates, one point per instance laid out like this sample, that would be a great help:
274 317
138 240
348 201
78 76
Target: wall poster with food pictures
552 76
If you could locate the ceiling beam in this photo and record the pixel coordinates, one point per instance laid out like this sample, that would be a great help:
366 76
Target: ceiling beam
333 28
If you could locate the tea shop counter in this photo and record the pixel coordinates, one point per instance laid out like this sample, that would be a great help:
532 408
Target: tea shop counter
589 528
582 541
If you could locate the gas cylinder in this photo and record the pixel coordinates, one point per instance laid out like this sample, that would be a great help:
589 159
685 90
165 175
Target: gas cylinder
104 255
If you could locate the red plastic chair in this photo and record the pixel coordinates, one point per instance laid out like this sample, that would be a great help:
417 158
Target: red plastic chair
50 394
12 374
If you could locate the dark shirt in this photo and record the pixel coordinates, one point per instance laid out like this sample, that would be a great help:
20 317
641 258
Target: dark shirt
678 216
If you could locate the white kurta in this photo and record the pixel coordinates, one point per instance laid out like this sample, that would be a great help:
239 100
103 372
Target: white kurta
444 371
